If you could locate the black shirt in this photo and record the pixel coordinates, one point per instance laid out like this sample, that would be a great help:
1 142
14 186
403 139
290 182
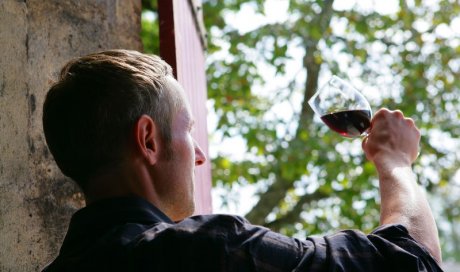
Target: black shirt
130 234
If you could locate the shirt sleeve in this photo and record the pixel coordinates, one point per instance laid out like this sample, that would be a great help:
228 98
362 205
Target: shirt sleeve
387 248
230 243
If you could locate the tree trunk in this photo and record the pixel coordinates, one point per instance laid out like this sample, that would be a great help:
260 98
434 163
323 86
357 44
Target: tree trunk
277 191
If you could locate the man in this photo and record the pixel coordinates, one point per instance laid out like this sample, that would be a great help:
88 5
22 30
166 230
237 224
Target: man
118 124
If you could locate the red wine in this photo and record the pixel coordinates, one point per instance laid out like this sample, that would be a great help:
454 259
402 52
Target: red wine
349 123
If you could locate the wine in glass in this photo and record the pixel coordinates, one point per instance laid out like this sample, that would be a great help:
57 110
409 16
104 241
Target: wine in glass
342 108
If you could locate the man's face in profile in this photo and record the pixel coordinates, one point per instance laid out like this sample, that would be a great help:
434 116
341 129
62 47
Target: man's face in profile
175 175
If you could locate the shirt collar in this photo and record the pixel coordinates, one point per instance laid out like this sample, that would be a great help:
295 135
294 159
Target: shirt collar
120 209
95 219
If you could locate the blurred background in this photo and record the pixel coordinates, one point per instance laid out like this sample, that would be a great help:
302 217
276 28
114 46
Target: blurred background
273 161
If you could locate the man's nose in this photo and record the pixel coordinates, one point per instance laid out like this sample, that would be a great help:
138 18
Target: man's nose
200 157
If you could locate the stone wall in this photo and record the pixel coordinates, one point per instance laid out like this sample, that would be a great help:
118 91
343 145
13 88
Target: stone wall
36 38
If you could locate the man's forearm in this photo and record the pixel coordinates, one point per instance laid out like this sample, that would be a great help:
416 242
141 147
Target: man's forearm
404 202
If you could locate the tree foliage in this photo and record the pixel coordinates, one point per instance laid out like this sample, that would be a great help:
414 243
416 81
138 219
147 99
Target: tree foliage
311 180
149 27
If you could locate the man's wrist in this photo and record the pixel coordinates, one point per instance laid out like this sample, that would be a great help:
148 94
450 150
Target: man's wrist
387 162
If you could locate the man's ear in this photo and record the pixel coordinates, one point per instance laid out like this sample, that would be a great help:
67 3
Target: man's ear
147 139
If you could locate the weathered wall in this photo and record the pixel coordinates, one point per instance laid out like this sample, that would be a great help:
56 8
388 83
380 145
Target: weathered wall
36 38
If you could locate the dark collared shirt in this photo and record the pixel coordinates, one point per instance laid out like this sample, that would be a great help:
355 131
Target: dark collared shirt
130 234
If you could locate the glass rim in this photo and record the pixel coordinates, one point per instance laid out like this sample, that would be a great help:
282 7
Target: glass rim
311 101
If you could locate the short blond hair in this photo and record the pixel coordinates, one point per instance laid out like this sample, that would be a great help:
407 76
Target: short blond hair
90 111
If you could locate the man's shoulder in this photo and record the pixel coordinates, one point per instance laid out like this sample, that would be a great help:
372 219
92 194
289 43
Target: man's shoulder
211 225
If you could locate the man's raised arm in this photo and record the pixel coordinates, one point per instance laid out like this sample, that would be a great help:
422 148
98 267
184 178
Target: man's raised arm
392 145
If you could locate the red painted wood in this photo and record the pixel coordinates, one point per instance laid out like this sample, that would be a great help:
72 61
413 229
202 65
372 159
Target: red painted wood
167 35
180 35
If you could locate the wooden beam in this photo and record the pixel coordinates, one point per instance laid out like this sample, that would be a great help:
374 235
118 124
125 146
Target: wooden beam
182 45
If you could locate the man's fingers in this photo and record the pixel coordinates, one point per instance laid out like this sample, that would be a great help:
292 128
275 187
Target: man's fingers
398 113
381 112
364 141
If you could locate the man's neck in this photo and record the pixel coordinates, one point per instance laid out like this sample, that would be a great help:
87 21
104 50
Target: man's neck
123 180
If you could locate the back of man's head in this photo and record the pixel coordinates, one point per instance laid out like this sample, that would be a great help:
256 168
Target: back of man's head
89 113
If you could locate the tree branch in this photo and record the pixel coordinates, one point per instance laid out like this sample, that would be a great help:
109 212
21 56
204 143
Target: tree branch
293 215
277 191
268 200
312 65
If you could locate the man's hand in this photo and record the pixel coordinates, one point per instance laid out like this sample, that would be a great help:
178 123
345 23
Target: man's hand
393 140
392 145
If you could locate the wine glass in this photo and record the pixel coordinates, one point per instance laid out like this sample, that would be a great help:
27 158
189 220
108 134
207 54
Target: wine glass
342 108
